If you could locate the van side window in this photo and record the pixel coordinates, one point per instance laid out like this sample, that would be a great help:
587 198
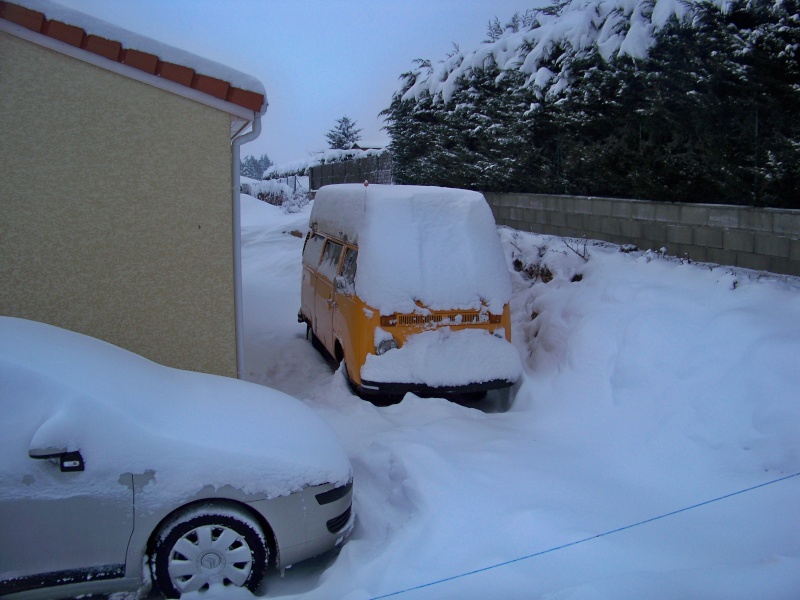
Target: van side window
313 250
349 269
330 259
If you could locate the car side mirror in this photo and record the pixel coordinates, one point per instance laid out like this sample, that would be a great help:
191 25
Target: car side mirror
67 461
341 284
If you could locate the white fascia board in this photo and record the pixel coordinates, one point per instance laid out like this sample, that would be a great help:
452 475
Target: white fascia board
122 69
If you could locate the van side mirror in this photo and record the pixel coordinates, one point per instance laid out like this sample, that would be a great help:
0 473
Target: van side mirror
341 284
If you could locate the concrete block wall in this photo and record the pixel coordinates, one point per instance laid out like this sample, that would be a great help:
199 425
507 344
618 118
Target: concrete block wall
765 239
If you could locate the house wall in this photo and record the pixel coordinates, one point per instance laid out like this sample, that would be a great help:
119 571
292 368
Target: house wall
115 209
765 239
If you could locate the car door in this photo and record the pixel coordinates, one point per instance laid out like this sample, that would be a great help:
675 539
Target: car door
64 517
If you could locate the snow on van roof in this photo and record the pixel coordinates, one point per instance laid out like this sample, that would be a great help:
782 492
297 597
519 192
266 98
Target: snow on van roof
438 246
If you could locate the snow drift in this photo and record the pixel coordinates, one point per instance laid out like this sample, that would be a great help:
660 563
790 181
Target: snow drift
651 385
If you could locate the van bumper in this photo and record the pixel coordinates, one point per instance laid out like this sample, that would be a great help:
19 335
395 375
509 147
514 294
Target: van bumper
370 389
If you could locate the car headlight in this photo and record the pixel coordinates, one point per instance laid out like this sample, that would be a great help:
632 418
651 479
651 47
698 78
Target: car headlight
386 345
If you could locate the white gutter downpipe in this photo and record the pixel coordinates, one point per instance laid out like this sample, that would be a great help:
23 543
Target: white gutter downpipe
236 214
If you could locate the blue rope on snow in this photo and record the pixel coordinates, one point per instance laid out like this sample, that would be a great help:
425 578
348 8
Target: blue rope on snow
587 539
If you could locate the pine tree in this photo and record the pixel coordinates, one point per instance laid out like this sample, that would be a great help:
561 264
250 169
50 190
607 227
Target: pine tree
253 167
343 135
711 114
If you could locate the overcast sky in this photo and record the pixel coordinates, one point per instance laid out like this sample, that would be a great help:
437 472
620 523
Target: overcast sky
318 59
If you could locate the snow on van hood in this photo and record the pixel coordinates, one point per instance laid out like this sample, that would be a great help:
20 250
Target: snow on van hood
446 358
126 414
438 246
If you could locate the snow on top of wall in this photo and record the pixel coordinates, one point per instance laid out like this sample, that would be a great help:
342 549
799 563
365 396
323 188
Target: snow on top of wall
615 27
370 144
435 245
135 41
316 159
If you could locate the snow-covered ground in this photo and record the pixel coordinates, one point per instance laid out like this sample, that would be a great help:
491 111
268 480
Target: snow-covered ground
651 387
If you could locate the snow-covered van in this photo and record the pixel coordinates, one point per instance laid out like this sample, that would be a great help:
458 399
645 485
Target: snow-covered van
408 286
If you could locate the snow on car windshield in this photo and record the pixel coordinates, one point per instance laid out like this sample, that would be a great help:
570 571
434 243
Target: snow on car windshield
434 245
126 414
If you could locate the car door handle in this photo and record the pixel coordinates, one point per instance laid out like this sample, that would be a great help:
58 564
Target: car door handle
68 461
332 302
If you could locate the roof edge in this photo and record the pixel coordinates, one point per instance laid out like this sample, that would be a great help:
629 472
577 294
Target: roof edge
231 108
111 51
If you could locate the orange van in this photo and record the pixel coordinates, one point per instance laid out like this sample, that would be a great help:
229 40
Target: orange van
408 285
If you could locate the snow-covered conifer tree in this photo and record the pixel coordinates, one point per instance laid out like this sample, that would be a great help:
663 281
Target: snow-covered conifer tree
343 135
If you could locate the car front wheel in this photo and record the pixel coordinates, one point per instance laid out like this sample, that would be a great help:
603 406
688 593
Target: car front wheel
212 545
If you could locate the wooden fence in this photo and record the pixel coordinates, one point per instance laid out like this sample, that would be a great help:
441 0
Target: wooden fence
375 169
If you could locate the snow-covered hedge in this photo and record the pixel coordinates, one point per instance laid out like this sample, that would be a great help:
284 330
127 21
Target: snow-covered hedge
275 192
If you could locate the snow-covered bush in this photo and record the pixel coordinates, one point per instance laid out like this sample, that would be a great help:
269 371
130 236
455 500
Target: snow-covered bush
277 193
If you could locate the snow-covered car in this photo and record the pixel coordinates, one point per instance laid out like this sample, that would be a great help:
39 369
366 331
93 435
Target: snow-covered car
116 472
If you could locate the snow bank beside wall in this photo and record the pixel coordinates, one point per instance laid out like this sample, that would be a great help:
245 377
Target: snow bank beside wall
766 239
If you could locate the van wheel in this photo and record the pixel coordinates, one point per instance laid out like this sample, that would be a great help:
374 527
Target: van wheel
471 396
339 353
317 344
347 377
319 347
350 383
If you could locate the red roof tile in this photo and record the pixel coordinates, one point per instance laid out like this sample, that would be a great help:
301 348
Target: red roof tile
211 85
144 61
176 73
31 19
100 45
66 33
113 50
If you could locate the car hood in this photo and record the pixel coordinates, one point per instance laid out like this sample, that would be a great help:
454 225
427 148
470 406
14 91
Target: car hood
184 431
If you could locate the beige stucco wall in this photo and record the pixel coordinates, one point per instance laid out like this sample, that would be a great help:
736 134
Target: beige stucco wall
115 209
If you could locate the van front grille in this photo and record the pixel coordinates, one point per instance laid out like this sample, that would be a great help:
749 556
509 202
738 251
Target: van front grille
452 318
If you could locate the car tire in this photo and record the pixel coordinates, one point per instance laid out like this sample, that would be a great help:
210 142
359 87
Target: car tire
207 546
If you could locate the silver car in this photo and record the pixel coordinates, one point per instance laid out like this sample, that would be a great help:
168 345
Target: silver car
117 473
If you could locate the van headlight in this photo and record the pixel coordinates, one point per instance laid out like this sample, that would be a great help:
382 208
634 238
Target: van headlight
385 345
